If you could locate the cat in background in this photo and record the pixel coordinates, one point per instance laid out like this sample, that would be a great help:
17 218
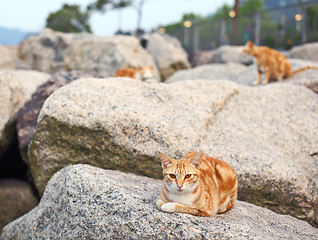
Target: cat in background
141 73
197 184
274 63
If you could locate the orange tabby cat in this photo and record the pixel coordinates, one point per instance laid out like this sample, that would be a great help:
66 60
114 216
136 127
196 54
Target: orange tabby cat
274 63
141 73
197 184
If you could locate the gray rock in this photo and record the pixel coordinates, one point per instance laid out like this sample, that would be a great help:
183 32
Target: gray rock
85 202
227 54
17 63
28 114
52 51
16 199
6 59
168 53
16 87
308 51
215 71
268 134
306 78
201 57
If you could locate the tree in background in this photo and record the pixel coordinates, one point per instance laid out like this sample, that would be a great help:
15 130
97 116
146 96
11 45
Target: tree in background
69 19
138 6
107 5
170 28
222 12
246 7
104 5
251 6
191 16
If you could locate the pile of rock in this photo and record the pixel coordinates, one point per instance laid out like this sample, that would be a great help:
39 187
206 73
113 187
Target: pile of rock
168 54
18 117
52 51
121 124
16 87
85 202
267 133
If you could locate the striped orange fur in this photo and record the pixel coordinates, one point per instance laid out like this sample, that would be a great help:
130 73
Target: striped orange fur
141 73
274 63
197 184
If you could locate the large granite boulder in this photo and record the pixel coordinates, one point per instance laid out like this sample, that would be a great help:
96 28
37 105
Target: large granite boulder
16 199
227 71
168 53
201 57
268 134
28 114
52 51
6 58
16 87
85 202
228 53
307 51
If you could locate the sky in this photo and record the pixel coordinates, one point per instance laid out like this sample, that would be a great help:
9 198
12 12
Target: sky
30 15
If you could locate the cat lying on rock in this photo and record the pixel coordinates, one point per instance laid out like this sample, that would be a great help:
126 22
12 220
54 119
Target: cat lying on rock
197 184
141 73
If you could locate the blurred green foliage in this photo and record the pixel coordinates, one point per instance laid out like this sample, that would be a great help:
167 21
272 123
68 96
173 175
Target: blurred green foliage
251 6
312 16
69 19
101 5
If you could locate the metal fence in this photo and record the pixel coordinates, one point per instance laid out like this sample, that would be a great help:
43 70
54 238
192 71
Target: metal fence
279 28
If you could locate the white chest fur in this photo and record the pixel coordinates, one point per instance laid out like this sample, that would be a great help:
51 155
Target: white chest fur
183 198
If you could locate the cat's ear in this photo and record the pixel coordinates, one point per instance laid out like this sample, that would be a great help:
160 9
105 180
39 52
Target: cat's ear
165 160
196 160
250 43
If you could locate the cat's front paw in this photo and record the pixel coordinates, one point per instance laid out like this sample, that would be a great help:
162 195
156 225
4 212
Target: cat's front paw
169 207
256 83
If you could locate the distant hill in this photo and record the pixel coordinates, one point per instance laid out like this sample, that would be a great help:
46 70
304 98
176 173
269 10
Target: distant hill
12 36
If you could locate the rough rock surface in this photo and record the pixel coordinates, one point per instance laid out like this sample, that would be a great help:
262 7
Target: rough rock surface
307 78
52 51
268 134
16 199
201 57
28 114
307 51
227 54
168 53
16 87
228 71
85 202
6 59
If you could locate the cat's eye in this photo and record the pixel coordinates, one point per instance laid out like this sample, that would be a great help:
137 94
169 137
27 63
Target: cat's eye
172 176
187 176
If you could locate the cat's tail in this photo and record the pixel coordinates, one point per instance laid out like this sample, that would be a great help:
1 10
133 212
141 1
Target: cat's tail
301 70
